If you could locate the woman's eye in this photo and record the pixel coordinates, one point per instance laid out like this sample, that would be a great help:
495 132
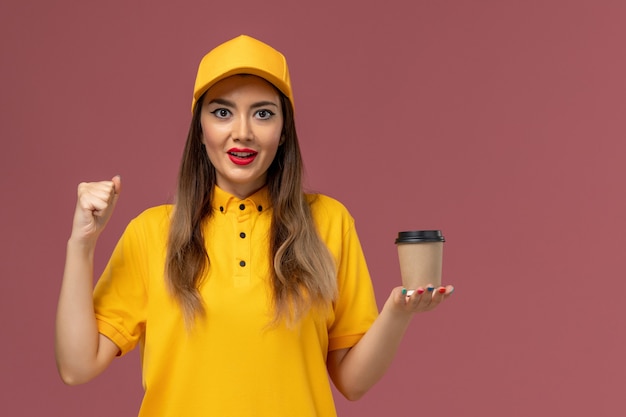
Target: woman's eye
264 114
221 113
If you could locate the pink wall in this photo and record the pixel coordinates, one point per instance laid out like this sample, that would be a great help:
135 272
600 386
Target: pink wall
500 122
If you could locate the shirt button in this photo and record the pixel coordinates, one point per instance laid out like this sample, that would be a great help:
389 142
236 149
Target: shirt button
242 207
221 209
260 208
242 263
242 235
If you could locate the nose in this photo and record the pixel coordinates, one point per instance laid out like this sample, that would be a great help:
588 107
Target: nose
242 128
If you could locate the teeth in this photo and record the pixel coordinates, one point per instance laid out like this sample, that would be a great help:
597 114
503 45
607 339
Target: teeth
242 154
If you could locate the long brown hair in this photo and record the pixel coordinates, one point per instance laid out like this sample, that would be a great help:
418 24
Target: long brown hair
303 274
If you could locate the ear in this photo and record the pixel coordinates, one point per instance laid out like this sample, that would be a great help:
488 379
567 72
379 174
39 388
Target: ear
282 140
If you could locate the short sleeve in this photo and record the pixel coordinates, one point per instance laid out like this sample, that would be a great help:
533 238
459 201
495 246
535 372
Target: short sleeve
120 295
355 308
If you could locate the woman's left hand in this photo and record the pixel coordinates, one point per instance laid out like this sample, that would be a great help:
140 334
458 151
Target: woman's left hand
419 300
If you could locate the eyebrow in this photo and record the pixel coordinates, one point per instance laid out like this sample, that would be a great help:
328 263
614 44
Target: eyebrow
229 103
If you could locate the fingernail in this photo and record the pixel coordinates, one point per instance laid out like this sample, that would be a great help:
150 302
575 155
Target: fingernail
420 291
403 291
442 290
430 289
451 290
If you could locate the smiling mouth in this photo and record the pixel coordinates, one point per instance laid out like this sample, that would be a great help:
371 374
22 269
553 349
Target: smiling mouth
242 155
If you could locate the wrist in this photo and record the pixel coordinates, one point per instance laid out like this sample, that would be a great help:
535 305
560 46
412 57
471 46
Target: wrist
396 310
84 246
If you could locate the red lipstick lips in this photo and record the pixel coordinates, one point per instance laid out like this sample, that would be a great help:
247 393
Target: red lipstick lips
242 156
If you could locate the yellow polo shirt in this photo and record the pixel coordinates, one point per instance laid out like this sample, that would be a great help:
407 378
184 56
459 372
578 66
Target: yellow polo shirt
232 363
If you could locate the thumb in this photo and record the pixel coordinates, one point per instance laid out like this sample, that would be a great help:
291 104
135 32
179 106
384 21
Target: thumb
117 189
117 184
399 295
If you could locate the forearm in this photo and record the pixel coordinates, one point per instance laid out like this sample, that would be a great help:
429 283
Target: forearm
366 363
354 371
77 338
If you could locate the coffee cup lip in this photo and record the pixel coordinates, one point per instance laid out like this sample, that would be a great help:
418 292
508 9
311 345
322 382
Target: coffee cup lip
417 236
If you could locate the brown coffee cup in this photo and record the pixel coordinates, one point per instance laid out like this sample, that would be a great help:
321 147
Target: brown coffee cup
420 253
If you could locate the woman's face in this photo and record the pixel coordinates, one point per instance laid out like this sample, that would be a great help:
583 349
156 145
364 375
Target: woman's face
242 122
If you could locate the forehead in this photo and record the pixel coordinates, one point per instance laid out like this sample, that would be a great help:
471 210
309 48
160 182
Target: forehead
243 85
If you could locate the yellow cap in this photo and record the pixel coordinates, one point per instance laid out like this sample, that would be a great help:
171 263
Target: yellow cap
242 55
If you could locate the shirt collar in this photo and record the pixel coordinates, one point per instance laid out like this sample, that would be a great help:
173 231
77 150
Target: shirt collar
224 201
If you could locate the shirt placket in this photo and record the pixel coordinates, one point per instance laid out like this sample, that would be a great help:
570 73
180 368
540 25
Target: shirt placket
243 246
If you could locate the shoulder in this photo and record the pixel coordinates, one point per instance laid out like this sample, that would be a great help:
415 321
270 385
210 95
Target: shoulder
330 214
324 205
153 218
157 212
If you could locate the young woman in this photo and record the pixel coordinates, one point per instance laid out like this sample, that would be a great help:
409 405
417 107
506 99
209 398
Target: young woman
246 293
